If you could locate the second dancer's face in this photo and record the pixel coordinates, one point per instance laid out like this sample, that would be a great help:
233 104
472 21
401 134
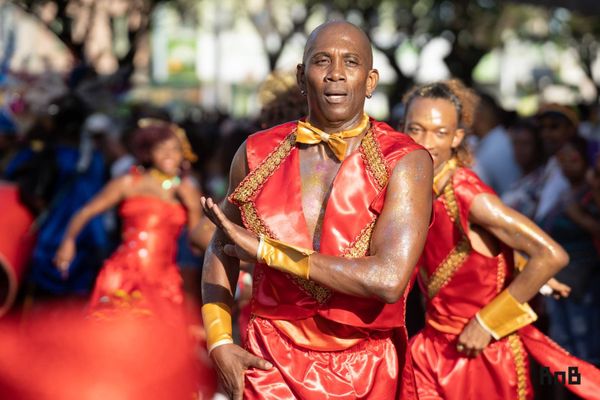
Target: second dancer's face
167 156
433 123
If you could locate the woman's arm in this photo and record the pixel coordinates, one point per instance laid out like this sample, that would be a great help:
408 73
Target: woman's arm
111 195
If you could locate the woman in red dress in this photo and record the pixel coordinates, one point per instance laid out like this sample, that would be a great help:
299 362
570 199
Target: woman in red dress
155 203
478 332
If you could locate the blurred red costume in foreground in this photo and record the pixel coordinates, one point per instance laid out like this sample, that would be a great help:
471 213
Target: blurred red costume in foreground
59 355
16 243
458 281
318 340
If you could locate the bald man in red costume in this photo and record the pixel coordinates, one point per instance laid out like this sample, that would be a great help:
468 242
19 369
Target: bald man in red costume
335 210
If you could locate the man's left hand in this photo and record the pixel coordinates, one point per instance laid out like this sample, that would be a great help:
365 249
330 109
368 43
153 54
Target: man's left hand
245 243
473 339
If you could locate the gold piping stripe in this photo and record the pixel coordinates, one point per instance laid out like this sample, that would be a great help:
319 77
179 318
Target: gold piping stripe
500 274
318 292
360 246
444 272
253 221
374 160
451 205
453 261
256 178
516 348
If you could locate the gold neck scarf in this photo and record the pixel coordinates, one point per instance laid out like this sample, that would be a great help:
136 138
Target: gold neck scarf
308 134
449 165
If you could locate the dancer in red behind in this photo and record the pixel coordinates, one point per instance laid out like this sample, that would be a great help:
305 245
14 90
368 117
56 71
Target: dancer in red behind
155 203
477 333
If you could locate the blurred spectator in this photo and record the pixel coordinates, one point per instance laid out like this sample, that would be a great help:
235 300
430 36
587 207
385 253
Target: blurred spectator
101 131
57 177
495 161
558 124
589 128
281 100
523 195
574 321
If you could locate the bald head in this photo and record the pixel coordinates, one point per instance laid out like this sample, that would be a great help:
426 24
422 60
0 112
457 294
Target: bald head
340 29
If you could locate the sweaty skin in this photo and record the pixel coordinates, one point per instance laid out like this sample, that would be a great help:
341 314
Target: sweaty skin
433 123
336 76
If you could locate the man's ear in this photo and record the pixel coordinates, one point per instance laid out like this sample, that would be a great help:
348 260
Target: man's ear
372 81
459 135
300 77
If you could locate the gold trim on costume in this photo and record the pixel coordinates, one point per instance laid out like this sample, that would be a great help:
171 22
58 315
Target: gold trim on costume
518 353
318 292
450 164
256 178
253 221
453 261
373 159
360 246
445 271
500 275
451 205
243 196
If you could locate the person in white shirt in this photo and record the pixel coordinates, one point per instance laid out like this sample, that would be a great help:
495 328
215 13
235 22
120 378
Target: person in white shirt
558 124
495 161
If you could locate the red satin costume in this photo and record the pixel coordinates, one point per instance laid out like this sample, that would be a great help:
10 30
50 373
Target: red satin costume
323 344
141 276
458 281
16 243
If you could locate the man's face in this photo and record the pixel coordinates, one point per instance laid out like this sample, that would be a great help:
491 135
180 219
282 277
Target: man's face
555 131
337 76
433 123
572 163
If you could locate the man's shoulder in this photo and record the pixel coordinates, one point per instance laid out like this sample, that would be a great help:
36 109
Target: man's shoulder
262 143
277 132
465 179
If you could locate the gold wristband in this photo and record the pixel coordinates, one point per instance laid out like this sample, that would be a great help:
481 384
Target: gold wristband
505 315
217 323
284 257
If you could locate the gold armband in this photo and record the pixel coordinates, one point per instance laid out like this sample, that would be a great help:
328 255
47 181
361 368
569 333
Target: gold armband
504 315
284 257
217 323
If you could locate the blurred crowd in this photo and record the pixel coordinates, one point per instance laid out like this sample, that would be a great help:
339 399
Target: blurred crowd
61 141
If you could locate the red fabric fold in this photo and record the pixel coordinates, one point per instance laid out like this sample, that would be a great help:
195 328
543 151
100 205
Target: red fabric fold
551 355
368 370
